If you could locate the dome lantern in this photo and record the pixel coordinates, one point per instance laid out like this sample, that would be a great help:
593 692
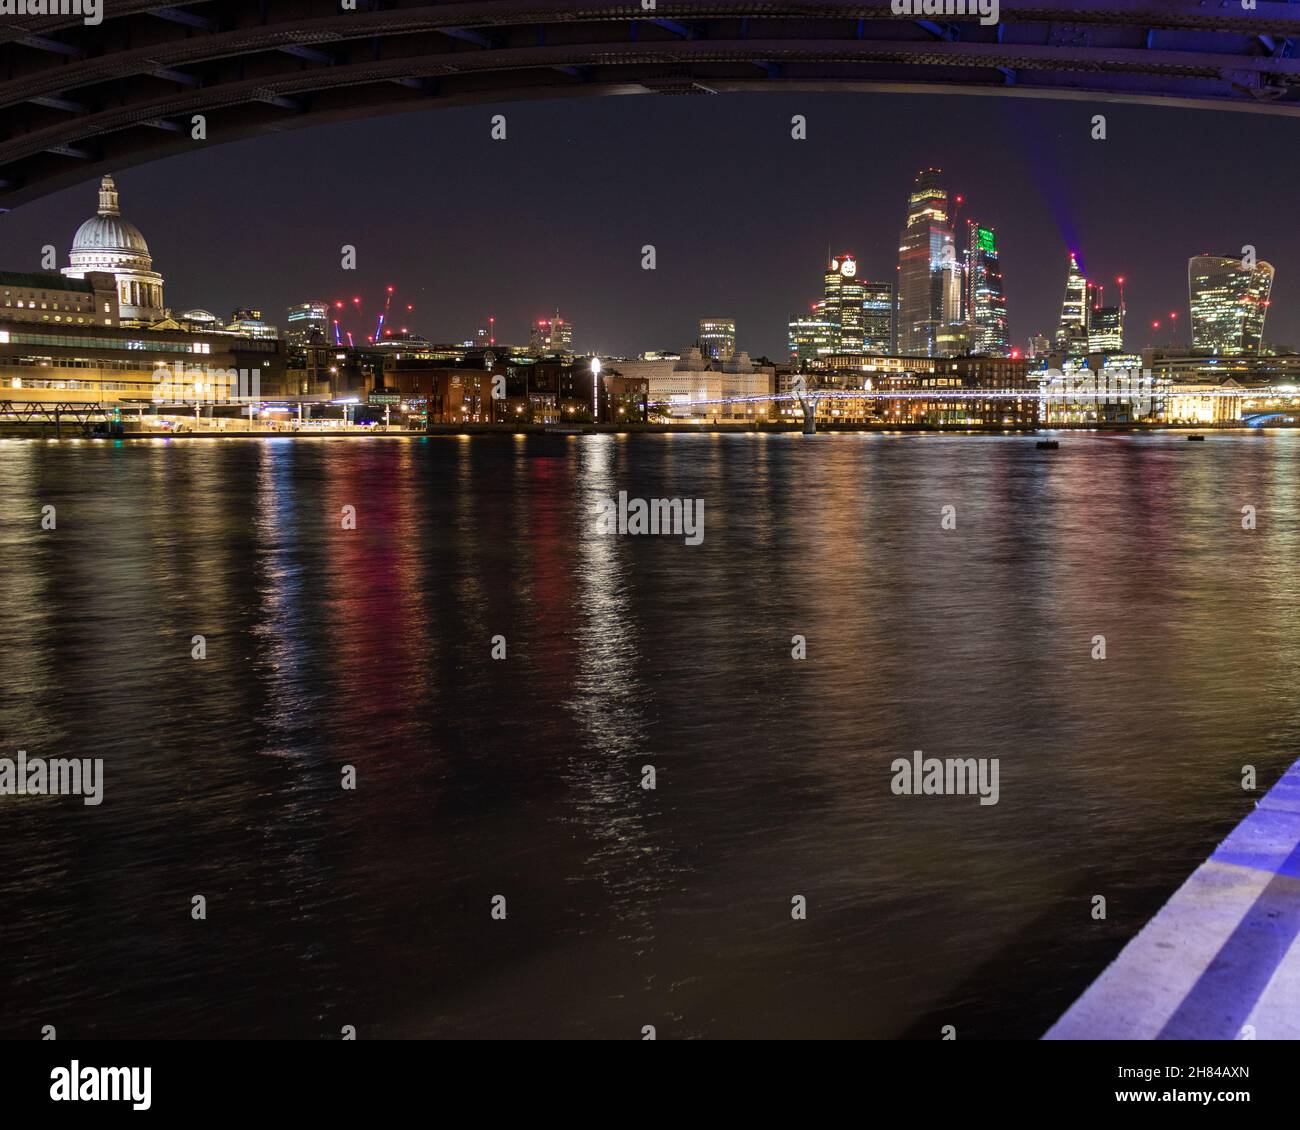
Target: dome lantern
108 205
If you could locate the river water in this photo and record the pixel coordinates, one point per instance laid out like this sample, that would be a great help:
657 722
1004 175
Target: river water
372 647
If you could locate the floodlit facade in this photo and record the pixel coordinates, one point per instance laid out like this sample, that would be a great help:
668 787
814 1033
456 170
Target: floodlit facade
51 299
1228 301
674 383
107 242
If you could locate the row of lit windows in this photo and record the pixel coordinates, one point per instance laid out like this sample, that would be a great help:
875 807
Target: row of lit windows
80 321
31 305
16 338
122 365
144 388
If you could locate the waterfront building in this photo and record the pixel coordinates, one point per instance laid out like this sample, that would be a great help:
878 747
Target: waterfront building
673 382
108 243
1207 402
1103 390
912 375
324 369
929 272
1228 301
97 362
717 338
550 390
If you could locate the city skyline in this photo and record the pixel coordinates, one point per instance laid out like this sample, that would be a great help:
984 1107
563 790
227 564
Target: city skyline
479 259
700 566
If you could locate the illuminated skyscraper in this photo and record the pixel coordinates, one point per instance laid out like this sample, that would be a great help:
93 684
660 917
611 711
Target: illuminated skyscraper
877 317
843 302
929 273
1072 333
551 336
986 306
1106 329
1228 302
717 338
812 336
307 322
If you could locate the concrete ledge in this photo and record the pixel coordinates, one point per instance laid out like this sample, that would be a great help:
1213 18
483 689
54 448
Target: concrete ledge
1221 959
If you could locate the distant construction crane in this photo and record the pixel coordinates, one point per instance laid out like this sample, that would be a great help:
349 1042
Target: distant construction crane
383 317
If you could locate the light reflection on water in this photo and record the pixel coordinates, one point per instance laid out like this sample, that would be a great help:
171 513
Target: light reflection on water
371 648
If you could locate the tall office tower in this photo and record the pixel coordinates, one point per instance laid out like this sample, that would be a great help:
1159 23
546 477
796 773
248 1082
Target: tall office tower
1106 329
812 336
929 272
551 336
877 317
1072 333
985 306
843 302
1228 302
717 338
307 322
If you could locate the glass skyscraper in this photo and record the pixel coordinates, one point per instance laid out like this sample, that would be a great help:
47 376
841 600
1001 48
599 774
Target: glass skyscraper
307 322
877 317
1072 333
1106 329
1228 303
812 336
843 302
986 306
929 272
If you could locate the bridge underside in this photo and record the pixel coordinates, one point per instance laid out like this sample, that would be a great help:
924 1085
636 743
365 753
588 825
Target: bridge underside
76 100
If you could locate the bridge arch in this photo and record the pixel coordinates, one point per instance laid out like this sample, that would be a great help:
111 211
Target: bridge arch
77 100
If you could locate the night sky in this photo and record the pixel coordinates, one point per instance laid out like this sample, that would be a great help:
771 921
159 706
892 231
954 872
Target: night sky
740 214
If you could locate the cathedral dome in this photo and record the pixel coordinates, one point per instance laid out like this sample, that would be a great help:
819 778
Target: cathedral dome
107 231
106 243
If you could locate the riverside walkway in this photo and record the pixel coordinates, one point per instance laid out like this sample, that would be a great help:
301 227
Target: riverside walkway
1221 960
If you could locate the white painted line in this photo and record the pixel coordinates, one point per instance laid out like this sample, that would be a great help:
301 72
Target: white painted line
1222 954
